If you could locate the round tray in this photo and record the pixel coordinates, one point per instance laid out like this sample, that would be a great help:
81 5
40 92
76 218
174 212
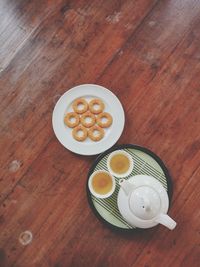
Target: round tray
145 162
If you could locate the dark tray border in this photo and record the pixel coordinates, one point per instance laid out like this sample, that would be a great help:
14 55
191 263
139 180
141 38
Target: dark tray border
133 146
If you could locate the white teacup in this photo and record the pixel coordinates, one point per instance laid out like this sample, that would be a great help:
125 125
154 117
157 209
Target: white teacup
120 163
101 184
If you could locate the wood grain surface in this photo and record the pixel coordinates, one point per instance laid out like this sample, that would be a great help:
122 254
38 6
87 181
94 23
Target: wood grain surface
147 52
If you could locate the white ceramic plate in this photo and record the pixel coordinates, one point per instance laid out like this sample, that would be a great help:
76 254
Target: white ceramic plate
112 105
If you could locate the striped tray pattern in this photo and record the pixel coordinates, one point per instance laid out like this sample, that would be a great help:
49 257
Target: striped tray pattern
143 164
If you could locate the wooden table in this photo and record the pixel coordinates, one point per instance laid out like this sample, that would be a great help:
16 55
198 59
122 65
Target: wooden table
148 53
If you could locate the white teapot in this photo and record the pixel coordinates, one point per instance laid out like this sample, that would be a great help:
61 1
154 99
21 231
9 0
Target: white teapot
143 202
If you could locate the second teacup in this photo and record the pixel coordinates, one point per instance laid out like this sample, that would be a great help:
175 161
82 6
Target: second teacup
120 163
101 184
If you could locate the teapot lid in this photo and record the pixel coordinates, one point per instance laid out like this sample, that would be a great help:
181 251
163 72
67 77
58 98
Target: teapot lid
145 202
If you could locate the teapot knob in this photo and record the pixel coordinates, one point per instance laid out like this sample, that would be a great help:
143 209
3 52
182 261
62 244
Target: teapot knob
147 203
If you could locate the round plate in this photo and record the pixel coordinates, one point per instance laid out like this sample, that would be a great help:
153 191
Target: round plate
145 163
112 105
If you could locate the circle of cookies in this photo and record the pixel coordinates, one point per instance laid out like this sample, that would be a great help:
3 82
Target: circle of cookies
68 119
93 136
80 102
78 129
90 116
108 121
96 102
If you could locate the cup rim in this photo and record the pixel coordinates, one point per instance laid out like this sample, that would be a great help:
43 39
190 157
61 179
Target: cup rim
130 160
100 195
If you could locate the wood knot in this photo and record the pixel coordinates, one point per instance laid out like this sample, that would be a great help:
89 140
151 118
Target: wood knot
25 238
15 165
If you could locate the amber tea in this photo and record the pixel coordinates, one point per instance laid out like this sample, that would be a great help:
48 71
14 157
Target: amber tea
120 163
101 184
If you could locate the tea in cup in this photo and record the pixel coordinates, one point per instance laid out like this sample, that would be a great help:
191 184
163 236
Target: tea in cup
101 184
120 163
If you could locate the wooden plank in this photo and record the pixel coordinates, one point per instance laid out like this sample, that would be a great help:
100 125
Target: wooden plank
18 20
26 207
150 47
43 187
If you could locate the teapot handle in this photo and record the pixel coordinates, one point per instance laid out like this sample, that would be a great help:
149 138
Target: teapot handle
165 220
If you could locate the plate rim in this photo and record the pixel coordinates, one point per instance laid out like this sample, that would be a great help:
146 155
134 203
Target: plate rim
123 146
85 86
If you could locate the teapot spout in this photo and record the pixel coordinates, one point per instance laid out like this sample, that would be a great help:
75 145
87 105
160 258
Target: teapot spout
126 186
167 221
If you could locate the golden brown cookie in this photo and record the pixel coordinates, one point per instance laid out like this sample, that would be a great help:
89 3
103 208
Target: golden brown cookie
71 119
80 137
80 105
96 103
108 118
98 136
88 115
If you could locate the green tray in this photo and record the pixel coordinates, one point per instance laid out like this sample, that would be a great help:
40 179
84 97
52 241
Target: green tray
145 162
